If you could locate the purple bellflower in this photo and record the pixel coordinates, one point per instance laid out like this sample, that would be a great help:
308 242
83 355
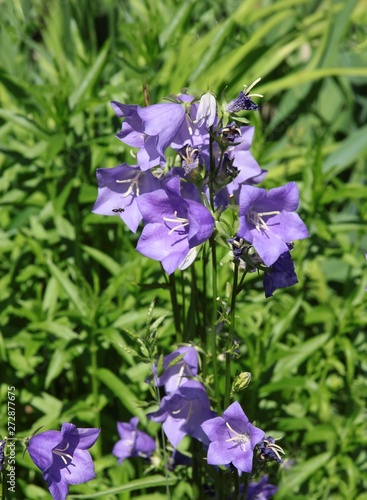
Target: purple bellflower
183 412
150 129
173 225
133 443
261 490
63 458
280 275
176 374
232 439
118 190
267 220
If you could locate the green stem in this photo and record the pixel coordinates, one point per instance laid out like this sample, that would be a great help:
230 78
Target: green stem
213 331
95 391
163 437
175 308
231 337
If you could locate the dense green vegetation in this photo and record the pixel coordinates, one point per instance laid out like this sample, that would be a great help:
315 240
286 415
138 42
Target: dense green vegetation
72 286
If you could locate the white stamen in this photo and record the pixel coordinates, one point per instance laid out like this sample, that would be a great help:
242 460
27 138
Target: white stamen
242 439
62 455
181 222
134 183
256 218
247 89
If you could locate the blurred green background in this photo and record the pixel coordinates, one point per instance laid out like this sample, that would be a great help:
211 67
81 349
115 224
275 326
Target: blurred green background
70 281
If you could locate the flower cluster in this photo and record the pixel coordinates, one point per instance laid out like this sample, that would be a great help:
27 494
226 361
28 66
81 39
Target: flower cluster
63 458
186 404
179 199
185 410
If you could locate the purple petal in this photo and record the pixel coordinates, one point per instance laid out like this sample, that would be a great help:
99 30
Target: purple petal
40 448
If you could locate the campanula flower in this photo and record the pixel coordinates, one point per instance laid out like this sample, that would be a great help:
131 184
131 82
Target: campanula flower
63 458
133 443
150 129
268 221
173 224
176 374
118 189
232 439
207 110
183 411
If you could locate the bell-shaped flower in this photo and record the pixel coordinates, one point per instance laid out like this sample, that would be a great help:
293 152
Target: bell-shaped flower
232 439
118 189
280 274
268 221
150 129
63 458
133 443
176 373
183 412
207 110
173 224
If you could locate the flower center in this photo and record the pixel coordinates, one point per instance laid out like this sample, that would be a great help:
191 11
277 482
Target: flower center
189 407
181 221
241 439
189 157
134 184
64 456
256 218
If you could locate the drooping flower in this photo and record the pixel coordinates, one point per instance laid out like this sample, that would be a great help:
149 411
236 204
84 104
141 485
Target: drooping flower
133 443
207 110
177 373
173 224
280 275
118 189
232 439
268 221
150 129
261 490
183 412
63 458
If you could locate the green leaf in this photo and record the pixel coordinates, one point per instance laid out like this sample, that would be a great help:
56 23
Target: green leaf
122 392
138 484
70 289
90 78
298 355
297 475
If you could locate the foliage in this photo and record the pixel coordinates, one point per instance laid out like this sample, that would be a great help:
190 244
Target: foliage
74 294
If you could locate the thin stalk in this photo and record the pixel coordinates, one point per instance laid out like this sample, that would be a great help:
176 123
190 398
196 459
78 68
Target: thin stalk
231 337
213 331
163 437
175 308
95 391
183 305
